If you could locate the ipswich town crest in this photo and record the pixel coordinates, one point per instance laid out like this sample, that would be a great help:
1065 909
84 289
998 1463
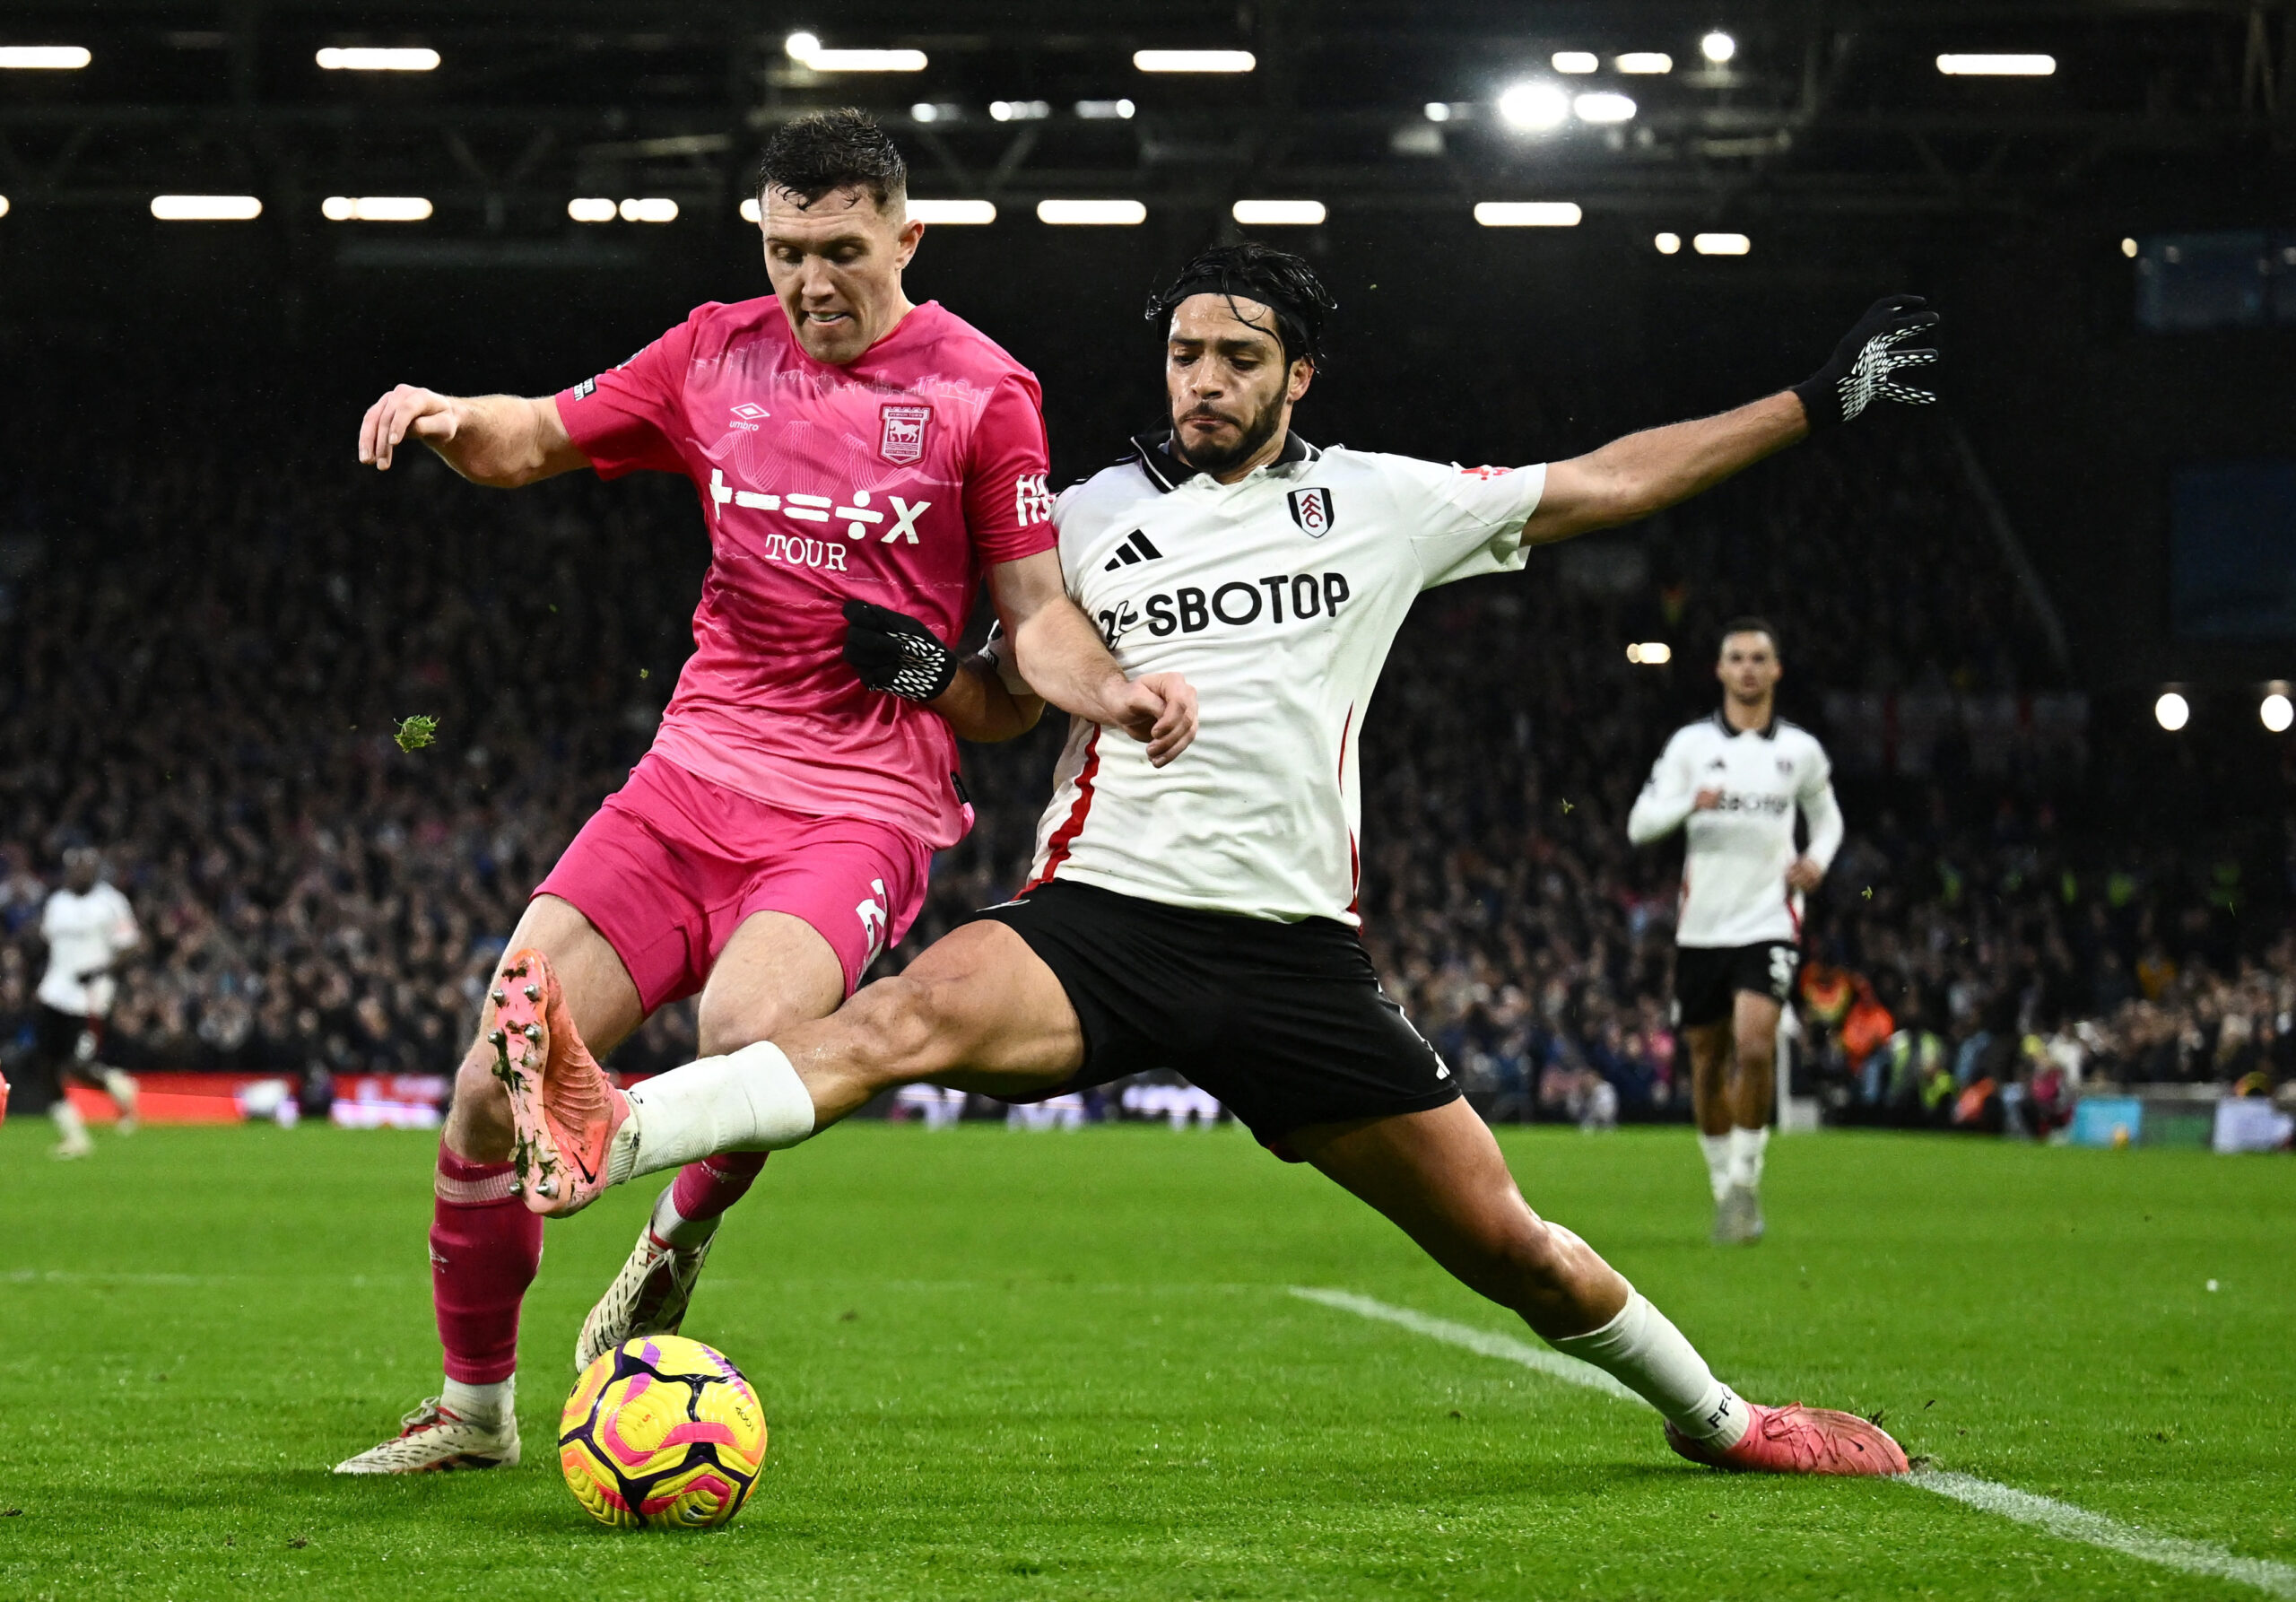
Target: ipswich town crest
903 440
1312 510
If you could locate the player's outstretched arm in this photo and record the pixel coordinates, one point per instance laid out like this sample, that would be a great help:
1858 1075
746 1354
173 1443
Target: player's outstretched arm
1630 478
895 654
501 440
1061 655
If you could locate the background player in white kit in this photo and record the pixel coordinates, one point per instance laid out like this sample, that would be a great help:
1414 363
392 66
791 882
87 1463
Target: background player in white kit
1734 783
1202 916
89 927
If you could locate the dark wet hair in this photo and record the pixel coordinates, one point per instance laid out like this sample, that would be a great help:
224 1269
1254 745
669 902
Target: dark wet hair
1276 279
822 152
1749 625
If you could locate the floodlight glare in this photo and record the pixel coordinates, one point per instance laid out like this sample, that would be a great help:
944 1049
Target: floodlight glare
1534 106
375 208
658 209
802 46
1020 110
750 214
1650 653
1645 61
2277 713
924 111
946 211
46 58
1996 67
1277 213
357 59
2171 711
206 208
1667 243
1438 111
1104 110
2128 248
1527 214
1575 61
1720 244
592 208
4 205
1604 108
1118 214
1717 46
1193 61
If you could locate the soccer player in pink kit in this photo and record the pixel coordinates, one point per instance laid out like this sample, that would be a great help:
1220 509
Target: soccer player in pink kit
852 452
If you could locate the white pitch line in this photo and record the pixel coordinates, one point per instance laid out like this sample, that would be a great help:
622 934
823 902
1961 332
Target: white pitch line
2059 1518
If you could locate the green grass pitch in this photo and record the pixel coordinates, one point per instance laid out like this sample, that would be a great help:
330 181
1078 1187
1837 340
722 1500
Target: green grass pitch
1013 1366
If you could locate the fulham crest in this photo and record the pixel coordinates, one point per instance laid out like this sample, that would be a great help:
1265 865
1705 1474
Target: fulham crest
1312 510
902 442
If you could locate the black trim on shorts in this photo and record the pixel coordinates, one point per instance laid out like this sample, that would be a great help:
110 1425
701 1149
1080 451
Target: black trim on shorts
1709 977
1284 1022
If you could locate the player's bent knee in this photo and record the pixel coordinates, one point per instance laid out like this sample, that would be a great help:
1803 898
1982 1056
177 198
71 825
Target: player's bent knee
909 1029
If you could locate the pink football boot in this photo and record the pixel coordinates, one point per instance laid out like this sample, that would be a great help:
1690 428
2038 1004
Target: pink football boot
1799 1440
563 1107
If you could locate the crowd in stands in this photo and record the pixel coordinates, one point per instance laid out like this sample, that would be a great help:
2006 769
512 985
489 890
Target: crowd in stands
203 665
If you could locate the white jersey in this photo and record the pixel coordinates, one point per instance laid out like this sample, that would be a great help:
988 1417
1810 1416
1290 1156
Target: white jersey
1734 861
1277 597
83 932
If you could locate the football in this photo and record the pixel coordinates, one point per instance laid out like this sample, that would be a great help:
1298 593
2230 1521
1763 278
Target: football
662 1432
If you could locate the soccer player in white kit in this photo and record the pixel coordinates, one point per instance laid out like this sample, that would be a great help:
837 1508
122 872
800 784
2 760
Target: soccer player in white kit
89 927
1734 783
1203 914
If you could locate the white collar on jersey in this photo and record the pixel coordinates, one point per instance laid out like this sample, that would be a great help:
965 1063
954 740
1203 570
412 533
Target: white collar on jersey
1154 452
1768 731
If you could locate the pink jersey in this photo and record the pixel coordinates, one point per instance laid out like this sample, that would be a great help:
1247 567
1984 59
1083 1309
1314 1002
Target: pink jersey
894 480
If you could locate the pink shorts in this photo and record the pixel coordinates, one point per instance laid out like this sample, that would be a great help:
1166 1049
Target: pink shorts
669 867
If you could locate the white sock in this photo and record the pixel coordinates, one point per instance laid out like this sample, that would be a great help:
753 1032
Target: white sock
69 1124
674 1229
746 1101
1643 1350
1717 1148
489 1406
1746 1149
121 1088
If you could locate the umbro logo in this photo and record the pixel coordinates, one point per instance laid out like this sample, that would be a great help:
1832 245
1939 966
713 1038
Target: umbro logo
1133 552
751 412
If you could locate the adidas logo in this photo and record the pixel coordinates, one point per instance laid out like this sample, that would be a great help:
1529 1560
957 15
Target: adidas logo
1133 552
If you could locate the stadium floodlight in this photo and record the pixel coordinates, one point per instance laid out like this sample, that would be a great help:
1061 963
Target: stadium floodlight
1278 213
2128 248
1527 214
1534 106
1438 111
375 208
45 58
4 205
1020 110
654 209
1089 214
1717 46
1720 244
1643 61
1193 61
360 58
1604 107
1650 653
807 51
593 208
750 214
2172 711
1105 110
206 208
802 46
1996 67
2277 713
962 213
1667 243
1575 61
925 111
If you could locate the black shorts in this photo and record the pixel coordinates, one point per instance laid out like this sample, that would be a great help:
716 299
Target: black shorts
1284 1022
1709 977
57 1040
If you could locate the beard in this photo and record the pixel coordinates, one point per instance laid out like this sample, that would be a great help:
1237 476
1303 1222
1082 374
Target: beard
1258 429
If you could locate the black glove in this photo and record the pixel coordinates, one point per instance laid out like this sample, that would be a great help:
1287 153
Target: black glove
894 653
1860 368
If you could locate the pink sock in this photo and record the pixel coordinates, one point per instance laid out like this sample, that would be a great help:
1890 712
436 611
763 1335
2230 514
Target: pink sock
484 1250
704 1190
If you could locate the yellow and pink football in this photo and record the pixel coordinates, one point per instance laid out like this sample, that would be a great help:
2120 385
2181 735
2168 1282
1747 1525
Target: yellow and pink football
662 1432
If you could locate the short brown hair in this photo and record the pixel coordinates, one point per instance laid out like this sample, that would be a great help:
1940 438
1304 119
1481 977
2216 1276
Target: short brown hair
823 151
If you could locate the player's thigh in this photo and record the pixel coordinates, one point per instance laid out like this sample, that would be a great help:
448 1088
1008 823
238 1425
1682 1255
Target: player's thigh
599 995
1440 1177
1753 1024
776 971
